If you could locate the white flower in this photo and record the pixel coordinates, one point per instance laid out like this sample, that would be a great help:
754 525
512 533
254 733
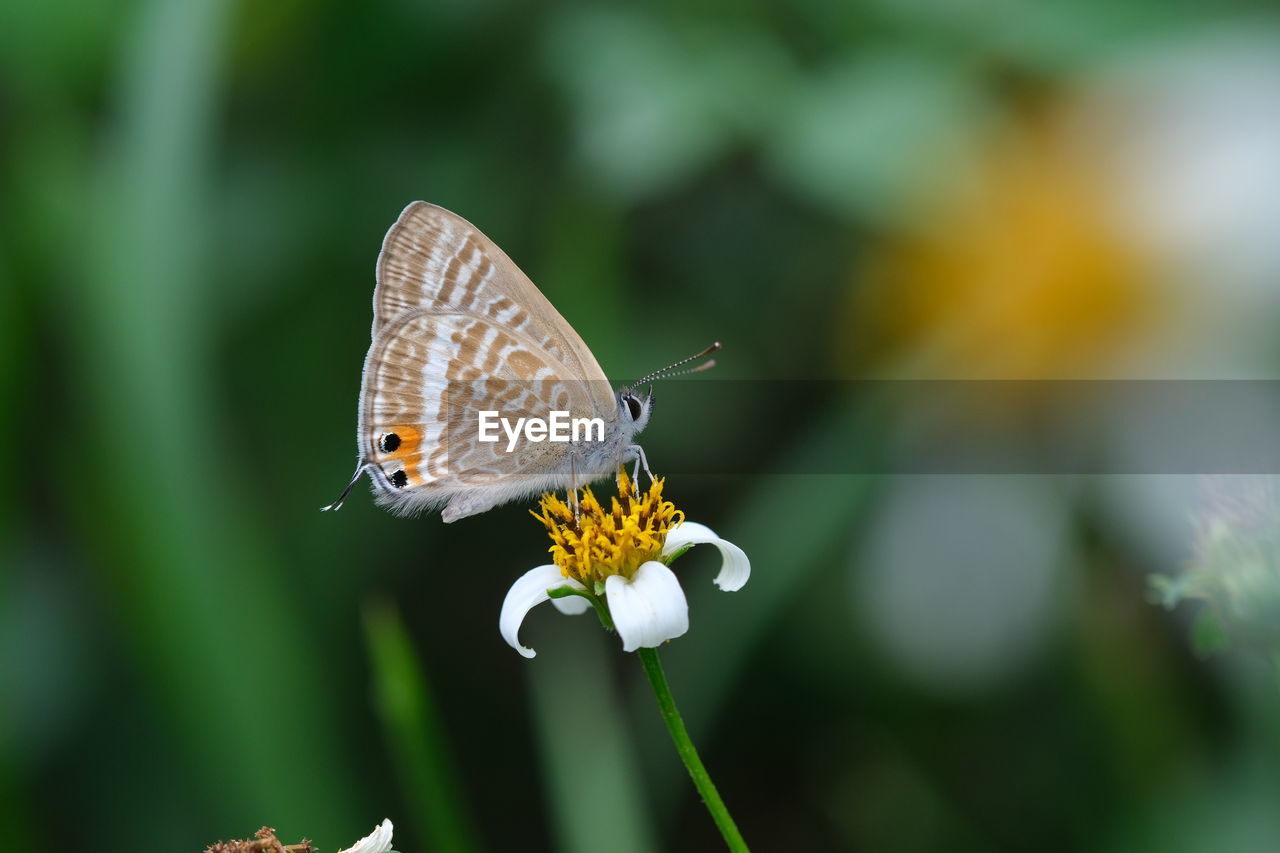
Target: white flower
378 841
621 554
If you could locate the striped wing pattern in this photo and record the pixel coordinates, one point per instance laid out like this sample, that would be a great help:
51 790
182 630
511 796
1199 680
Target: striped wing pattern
426 380
433 258
458 328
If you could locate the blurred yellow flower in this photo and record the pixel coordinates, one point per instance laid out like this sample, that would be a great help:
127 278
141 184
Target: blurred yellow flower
1018 273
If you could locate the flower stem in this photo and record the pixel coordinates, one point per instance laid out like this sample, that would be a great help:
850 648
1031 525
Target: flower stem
689 755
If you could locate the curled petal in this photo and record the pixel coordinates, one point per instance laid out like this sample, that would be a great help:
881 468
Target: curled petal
571 605
736 569
378 841
649 609
528 592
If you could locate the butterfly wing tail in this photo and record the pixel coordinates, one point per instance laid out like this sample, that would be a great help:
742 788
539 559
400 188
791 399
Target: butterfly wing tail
337 505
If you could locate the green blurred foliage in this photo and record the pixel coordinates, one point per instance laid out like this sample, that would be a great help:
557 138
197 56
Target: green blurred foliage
192 197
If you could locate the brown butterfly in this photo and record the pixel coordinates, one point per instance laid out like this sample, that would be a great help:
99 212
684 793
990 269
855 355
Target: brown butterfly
459 330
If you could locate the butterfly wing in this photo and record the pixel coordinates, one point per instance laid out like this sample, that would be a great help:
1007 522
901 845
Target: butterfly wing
428 375
433 258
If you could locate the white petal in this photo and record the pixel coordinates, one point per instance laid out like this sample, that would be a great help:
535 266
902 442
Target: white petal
571 605
736 569
378 841
528 592
649 609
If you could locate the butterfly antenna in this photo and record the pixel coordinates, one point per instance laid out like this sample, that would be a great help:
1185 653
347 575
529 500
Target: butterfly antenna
337 505
665 373
706 365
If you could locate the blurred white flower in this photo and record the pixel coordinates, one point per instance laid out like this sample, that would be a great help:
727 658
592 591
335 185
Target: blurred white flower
1187 135
1121 226
1186 139
961 578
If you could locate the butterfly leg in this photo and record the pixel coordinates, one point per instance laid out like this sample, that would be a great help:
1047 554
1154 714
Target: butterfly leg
641 462
573 489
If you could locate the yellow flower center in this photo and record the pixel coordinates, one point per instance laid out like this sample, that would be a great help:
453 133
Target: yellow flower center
597 543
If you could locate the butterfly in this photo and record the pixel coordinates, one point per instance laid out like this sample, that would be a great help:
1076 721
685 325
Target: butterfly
459 332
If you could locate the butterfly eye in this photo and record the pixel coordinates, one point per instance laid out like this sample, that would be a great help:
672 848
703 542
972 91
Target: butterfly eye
389 442
399 479
633 406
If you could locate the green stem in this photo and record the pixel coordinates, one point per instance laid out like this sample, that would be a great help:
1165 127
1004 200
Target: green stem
689 755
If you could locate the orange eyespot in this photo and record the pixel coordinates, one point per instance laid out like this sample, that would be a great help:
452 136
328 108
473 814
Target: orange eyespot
399 442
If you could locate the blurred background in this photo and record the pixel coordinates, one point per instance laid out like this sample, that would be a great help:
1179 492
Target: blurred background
193 196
